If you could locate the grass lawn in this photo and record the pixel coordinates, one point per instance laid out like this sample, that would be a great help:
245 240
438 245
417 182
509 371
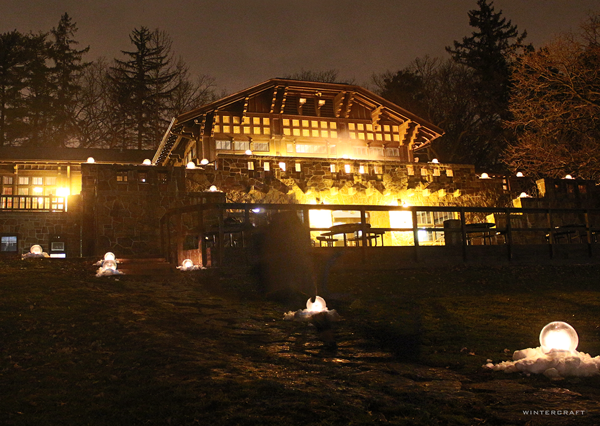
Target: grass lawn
204 348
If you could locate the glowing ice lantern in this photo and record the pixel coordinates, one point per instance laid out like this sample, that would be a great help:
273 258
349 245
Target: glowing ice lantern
109 256
568 177
91 160
147 162
204 162
213 188
248 152
558 336
109 265
35 249
187 263
191 165
484 176
318 305
519 174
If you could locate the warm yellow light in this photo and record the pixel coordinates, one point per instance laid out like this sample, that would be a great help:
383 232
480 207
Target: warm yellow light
91 160
191 165
332 168
568 177
147 162
318 305
435 160
400 218
320 218
347 168
187 263
558 336
361 170
63 192
282 166
248 152
519 174
484 176
523 195
213 188
204 162
38 190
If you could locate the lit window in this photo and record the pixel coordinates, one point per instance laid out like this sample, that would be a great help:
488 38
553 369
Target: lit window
283 166
51 180
23 180
266 121
286 121
332 168
236 120
7 191
449 172
256 120
23 191
267 166
298 167
250 165
7 180
290 147
37 181
225 119
236 129
122 176
347 168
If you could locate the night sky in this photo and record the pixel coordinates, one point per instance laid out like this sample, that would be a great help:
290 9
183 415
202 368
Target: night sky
245 42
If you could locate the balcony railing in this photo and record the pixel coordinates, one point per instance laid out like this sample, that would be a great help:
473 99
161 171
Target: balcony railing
33 203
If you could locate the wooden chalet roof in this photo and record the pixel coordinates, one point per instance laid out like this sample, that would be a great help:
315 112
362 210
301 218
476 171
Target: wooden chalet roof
281 94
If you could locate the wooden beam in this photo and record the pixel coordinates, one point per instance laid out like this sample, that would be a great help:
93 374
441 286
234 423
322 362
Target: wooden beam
338 102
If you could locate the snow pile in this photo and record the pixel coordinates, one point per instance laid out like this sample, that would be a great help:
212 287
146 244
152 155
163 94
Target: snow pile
318 307
554 364
34 255
107 272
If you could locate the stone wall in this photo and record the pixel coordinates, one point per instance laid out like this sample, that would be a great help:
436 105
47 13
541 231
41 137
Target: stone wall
41 228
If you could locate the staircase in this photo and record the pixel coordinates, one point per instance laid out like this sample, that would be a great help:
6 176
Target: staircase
145 266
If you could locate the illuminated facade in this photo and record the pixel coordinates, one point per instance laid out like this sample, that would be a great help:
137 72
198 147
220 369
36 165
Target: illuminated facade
289 118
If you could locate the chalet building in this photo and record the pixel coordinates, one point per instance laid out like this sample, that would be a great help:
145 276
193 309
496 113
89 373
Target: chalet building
299 119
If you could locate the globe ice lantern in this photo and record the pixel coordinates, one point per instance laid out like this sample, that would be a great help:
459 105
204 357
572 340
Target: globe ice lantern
558 337
187 263
317 306
109 255
36 249
109 265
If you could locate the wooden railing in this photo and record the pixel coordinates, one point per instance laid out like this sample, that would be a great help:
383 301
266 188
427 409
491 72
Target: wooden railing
508 227
33 203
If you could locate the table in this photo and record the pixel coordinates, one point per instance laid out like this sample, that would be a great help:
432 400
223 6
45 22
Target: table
480 230
353 228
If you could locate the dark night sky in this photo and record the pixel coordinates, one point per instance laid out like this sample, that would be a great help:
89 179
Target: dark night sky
245 42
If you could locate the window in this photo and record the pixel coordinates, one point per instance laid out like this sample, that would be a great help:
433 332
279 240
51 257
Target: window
261 146
392 152
37 181
376 152
122 176
143 177
449 173
241 146
7 191
51 181
298 167
8 243
7 180
225 145
23 180
267 166
23 191
250 165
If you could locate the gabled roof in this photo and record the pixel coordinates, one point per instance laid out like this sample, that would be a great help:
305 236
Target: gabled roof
366 97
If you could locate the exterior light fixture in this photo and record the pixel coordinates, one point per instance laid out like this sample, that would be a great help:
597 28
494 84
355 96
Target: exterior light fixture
302 101
248 152
36 249
187 263
213 188
203 162
63 192
191 165
523 195
568 177
282 166
38 189
321 102
484 176
519 174
435 160
91 160
558 337
147 162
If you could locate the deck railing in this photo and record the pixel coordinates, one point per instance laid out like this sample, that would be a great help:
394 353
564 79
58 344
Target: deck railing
460 227
33 203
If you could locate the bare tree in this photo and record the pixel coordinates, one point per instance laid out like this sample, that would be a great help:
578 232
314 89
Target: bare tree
556 107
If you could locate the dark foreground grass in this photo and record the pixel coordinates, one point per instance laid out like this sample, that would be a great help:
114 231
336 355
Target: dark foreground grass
204 348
